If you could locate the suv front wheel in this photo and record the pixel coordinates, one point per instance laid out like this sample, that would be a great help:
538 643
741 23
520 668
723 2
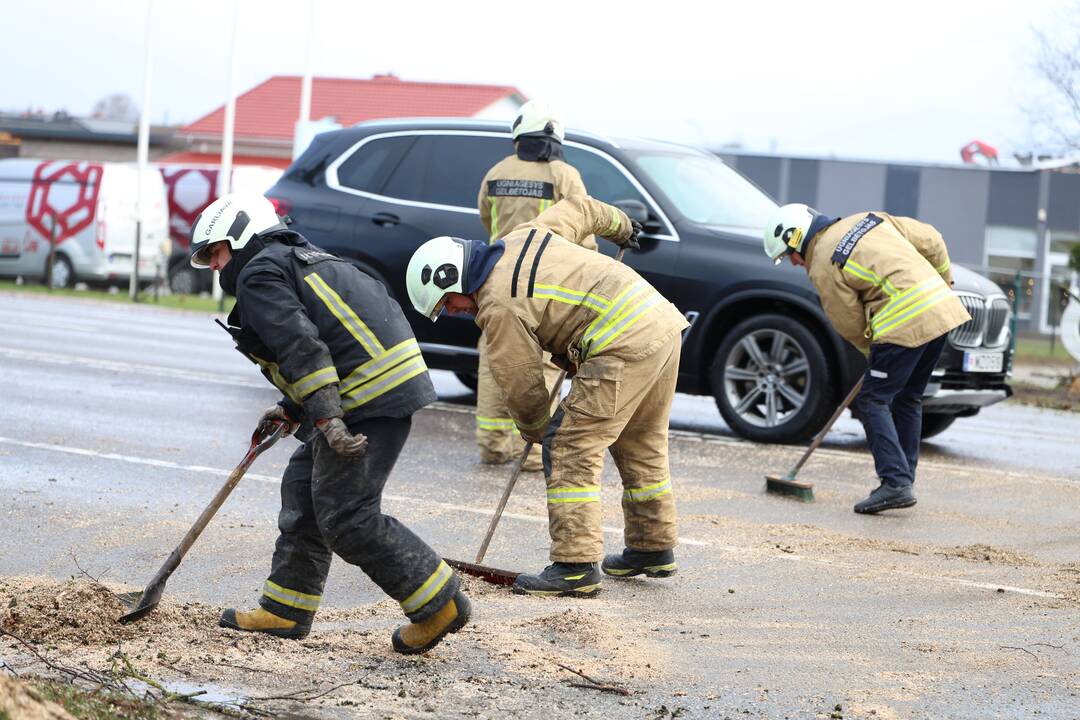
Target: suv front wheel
771 380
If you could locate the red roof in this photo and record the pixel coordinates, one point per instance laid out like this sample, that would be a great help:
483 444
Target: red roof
194 158
270 110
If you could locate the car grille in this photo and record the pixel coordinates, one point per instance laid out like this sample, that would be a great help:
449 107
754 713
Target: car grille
989 323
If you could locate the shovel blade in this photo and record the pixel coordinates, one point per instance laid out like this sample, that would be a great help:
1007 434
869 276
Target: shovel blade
490 574
141 604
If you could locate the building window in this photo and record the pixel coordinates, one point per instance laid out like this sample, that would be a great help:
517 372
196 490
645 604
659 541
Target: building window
1011 250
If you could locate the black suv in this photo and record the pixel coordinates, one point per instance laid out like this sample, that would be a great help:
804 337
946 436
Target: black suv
758 342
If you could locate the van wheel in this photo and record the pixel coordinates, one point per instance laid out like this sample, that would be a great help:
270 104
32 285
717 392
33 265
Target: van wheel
771 380
184 280
935 424
63 275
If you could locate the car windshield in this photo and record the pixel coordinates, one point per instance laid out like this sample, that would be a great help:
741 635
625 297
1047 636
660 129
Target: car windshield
705 190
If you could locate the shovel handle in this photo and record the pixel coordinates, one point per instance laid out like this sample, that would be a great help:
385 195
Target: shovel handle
259 444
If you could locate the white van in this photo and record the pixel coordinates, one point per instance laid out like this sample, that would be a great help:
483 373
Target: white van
89 209
189 189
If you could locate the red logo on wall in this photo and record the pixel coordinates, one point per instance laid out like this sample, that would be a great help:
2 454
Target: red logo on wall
65 194
189 190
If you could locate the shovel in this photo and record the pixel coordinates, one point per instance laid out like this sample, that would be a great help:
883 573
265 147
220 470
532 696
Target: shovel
140 604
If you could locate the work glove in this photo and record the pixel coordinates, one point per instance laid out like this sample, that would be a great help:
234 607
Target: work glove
340 439
631 243
529 437
563 362
276 415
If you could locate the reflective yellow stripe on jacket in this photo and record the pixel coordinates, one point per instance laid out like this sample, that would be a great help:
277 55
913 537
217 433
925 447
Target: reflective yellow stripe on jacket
909 305
490 423
624 310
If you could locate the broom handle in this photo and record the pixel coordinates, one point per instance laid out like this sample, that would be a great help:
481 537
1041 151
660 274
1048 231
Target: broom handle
828 426
521 460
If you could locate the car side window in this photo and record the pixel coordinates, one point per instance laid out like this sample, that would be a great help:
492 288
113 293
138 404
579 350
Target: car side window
446 169
603 180
367 168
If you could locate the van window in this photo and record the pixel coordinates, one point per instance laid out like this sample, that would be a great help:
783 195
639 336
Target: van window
446 169
603 180
367 168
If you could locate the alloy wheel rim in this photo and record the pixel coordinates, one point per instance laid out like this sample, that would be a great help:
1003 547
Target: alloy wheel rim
766 378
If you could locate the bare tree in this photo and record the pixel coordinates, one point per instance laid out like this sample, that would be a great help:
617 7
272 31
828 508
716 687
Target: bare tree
1055 114
117 106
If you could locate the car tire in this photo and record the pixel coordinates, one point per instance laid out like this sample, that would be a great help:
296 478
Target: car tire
771 380
468 379
935 424
63 274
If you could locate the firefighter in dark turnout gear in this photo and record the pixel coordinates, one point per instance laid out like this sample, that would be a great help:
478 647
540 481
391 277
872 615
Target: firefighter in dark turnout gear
340 350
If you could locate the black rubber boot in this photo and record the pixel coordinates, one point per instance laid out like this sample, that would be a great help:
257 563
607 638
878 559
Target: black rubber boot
558 579
659 564
886 497
259 620
419 637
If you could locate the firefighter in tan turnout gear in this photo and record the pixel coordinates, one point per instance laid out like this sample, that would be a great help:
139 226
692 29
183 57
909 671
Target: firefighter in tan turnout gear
885 284
515 191
538 290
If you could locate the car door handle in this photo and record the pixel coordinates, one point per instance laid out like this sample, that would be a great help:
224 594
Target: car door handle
385 219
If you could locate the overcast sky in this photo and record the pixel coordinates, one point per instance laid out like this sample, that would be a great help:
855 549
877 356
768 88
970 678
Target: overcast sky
910 80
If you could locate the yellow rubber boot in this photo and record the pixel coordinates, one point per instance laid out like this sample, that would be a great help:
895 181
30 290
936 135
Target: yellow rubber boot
259 620
419 637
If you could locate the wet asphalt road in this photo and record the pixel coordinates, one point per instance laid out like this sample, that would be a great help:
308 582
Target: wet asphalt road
118 423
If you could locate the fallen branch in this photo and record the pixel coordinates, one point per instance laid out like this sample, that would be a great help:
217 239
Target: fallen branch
298 694
594 684
72 674
1056 647
1025 650
98 583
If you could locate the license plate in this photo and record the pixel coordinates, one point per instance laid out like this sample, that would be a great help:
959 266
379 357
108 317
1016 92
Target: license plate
984 361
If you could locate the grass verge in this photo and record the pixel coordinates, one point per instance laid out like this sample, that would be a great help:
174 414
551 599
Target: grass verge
178 302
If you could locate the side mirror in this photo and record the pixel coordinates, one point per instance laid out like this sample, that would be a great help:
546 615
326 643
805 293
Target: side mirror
636 210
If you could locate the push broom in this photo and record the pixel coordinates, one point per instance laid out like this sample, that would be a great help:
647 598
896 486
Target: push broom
787 484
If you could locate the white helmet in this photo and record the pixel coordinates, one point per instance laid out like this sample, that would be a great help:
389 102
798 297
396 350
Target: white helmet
535 118
787 230
234 218
436 268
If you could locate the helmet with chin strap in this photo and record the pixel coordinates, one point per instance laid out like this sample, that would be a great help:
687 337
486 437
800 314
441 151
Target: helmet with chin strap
788 230
234 218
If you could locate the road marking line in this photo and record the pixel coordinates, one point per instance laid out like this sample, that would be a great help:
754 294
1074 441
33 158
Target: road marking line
538 519
126 367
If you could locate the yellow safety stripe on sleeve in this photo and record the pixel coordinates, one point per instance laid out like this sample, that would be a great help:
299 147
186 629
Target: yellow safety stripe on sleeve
625 310
277 378
570 297
871 277
613 226
943 267
912 312
428 590
533 426
494 219
345 314
383 384
906 298
379 365
313 381
649 492
588 493
292 598
488 423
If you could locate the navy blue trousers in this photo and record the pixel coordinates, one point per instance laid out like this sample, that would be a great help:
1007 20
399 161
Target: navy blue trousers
890 406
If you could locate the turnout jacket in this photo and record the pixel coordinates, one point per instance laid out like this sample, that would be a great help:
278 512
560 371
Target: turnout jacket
515 191
327 335
547 293
884 279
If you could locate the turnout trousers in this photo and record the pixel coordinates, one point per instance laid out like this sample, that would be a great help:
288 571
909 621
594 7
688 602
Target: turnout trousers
890 406
623 406
496 435
331 504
